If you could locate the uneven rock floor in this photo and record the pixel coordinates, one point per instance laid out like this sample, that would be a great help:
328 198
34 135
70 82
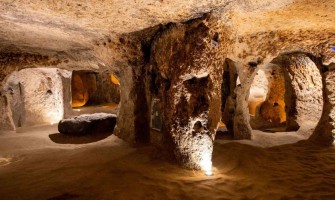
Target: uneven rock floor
32 166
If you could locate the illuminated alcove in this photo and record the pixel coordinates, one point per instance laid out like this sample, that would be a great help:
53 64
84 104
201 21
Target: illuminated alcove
91 89
82 84
266 101
286 95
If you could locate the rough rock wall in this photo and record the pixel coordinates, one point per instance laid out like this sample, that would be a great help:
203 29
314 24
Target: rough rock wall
133 118
186 76
107 91
303 97
10 62
267 45
15 97
324 132
125 125
13 62
6 120
273 109
228 95
36 96
242 128
133 121
66 76
236 85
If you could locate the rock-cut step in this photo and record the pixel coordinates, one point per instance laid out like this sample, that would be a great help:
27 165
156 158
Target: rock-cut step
87 123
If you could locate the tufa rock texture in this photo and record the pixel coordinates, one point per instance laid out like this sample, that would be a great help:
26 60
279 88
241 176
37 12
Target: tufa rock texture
273 109
185 68
44 100
324 132
303 96
107 91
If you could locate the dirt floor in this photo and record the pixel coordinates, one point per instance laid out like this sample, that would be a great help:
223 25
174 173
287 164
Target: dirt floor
33 165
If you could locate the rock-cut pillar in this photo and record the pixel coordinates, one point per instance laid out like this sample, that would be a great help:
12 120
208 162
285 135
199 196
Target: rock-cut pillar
324 132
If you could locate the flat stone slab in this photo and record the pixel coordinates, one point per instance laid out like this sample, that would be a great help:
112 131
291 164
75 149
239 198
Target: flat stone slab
87 123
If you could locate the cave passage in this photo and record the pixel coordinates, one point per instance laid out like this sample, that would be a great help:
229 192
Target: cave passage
267 100
91 90
286 95
83 84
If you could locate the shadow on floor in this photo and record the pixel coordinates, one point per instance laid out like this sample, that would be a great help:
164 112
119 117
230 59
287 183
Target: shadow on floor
274 129
85 139
223 135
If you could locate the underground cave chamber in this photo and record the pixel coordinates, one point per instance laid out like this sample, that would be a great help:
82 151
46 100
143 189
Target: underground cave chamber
284 95
97 97
177 101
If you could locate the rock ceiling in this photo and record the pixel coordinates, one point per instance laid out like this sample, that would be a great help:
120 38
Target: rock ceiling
74 27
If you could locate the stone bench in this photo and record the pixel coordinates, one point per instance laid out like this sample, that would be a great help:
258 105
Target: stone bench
87 123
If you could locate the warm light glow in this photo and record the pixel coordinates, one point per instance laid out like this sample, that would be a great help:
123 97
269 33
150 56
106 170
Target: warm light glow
80 90
206 165
209 173
54 117
221 124
5 161
253 104
115 80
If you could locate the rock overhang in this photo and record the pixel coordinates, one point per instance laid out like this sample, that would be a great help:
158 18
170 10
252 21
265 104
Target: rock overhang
88 32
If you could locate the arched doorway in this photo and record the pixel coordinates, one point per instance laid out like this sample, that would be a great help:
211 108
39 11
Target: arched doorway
267 99
294 98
